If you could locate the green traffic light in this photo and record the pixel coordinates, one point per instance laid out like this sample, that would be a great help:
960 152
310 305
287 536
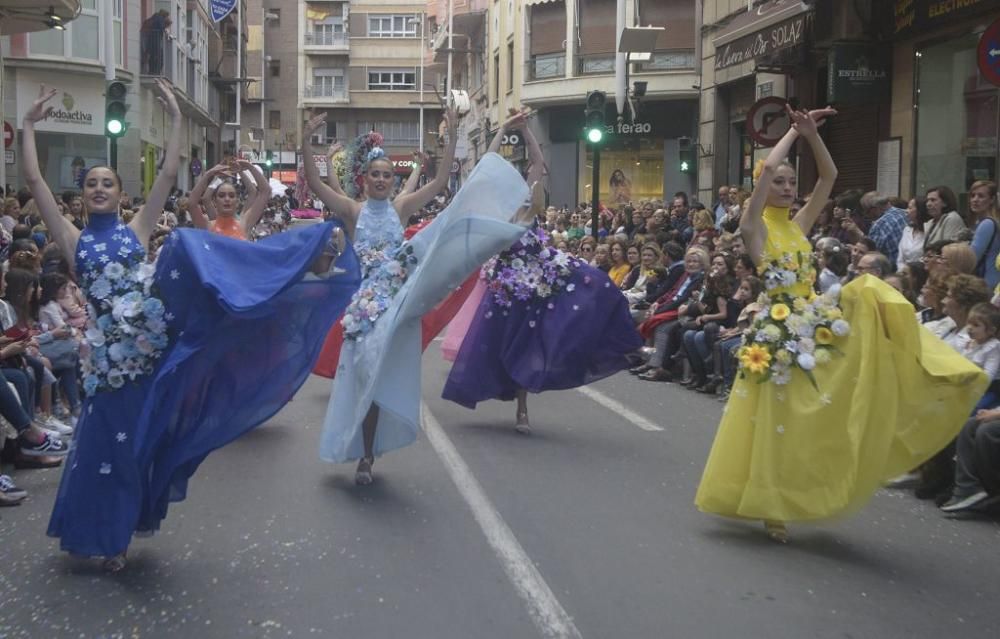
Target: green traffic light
684 167
115 127
267 162
595 135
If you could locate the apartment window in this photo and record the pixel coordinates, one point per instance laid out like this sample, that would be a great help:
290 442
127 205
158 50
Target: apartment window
394 133
82 37
275 67
392 80
274 119
329 32
496 76
510 66
392 26
328 83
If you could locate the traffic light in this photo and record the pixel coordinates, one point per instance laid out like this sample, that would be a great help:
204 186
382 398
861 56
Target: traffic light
685 155
594 116
115 108
269 162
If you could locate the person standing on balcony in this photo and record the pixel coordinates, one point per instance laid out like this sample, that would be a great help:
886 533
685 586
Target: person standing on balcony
153 32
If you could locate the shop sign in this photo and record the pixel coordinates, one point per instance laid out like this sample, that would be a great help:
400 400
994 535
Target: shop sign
857 73
783 35
222 8
512 147
988 53
630 129
402 164
77 107
922 15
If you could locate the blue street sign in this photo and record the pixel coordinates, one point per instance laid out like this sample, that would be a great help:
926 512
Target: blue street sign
222 8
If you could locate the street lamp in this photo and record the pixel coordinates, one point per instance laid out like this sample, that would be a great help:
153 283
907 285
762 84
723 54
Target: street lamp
637 43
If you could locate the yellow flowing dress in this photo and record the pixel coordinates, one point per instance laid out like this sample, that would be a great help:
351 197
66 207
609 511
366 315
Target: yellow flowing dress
895 397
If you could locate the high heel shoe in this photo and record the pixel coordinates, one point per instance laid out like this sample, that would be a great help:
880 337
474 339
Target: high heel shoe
523 426
776 531
363 475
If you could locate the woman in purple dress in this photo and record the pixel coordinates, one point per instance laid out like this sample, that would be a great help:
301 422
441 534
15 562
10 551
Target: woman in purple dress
546 321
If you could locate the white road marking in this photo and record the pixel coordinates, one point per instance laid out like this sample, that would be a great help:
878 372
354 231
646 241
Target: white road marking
546 612
617 407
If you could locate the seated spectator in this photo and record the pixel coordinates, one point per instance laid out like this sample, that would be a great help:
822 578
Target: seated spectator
960 257
832 264
911 244
945 223
964 292
651 256
718 310
602 258
619 266
977 462
874 263
724 360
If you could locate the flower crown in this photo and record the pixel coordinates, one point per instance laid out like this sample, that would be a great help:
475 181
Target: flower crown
363 150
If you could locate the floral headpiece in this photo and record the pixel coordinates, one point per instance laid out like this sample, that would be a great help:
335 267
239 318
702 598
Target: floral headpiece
758 169
359 154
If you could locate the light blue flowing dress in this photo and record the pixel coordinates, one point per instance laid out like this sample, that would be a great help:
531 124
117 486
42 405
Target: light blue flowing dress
382 365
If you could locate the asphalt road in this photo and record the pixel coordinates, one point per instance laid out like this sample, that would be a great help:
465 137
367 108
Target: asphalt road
584 529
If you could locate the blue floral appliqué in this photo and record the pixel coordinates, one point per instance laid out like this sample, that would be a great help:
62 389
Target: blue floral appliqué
387 270
528 270
127 327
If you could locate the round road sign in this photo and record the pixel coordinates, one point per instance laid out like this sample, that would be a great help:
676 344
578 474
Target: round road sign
767 121
988 53
8 135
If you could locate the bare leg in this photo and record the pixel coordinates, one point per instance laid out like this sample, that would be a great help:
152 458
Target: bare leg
522 426
363 475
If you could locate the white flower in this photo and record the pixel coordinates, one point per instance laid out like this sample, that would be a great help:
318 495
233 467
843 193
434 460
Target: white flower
781 375
825 399
115 378
175 274
101 288
114 271
116 352
807 345
806 361
95 336
780 429
121 437
105 469
788 278
840 328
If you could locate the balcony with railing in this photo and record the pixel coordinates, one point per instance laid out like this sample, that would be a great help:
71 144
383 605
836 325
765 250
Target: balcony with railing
545 67
322 42
322 94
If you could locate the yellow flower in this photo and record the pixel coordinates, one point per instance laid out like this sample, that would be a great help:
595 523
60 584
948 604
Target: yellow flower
783 357
834 313
755 358
780 312
824 335
799 304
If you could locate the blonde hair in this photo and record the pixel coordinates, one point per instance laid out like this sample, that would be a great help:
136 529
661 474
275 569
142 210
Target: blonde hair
703 256
703 220
960 257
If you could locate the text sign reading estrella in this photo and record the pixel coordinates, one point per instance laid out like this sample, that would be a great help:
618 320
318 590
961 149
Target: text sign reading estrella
222 8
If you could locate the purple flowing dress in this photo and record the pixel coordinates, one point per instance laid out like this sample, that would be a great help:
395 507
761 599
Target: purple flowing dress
548 321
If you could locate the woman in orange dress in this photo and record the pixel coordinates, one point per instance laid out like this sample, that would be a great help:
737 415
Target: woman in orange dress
226 200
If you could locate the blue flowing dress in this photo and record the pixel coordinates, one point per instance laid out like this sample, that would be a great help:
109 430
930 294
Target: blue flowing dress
380 358
548 321
186 356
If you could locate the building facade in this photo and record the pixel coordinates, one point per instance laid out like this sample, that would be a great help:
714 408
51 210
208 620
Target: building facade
185 47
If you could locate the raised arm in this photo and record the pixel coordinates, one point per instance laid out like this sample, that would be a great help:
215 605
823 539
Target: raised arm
144 222
752 222
807 125
63 233
340 205
536 161
249 183
255 211
411 203
332 179
198 218
420 160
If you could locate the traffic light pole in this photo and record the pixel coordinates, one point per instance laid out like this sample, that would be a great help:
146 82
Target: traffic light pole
113 153
595 190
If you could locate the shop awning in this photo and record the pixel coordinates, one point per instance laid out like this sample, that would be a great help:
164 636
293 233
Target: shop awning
760 18
531 2
24 16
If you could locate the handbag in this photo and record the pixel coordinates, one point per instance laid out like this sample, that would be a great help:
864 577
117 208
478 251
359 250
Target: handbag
61 353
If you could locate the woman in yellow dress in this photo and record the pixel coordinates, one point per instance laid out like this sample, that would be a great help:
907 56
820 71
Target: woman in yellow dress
836 393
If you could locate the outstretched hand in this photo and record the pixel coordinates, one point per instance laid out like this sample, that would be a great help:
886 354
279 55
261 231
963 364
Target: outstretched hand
311 126
38 110
166 97
807 123
334 149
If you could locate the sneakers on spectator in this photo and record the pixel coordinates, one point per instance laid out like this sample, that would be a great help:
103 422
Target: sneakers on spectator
56 425
50 446
10 494
957 503
906 480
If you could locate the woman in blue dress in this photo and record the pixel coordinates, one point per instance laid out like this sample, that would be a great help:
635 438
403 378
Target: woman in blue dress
374 406
187 354
546 321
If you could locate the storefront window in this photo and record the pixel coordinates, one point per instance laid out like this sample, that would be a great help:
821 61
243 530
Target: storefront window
631 170
957 122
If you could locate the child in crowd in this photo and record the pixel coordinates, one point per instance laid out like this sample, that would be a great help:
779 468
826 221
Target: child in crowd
832 264
983 347
730 339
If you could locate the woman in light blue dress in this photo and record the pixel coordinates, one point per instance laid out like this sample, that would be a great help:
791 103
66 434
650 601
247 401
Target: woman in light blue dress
375 403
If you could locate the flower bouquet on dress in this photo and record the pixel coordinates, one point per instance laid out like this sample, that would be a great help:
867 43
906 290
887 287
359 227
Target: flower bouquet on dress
791 332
